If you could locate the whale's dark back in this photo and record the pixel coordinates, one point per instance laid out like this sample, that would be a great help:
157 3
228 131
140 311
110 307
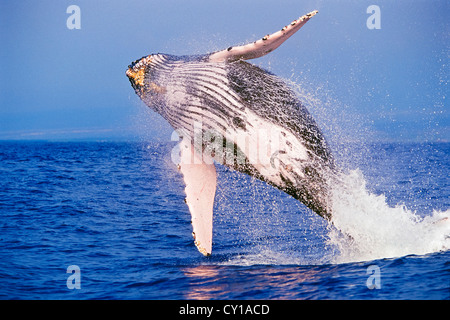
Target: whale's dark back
272 99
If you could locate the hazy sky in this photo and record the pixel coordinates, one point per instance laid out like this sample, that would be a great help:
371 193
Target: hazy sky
62 84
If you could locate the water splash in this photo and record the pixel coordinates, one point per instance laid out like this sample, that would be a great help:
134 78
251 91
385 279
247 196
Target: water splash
364 226
370 229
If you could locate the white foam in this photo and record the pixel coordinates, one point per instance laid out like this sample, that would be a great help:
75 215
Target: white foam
377 230
265 256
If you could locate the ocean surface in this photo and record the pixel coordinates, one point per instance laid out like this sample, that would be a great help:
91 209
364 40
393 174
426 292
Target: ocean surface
104 220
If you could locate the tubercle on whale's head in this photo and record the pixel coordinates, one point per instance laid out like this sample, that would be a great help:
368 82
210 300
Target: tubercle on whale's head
137 72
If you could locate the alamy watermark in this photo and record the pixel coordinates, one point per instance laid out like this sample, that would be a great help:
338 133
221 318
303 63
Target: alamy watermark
74 20
74 280
265 146
374 20
374 280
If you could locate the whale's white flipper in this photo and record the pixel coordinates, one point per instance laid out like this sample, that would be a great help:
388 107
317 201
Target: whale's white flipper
263 46
201 181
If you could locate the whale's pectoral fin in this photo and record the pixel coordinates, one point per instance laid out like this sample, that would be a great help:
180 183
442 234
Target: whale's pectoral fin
200 178
261 47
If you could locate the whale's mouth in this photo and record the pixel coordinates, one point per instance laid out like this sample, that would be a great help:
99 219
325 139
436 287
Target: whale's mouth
137 72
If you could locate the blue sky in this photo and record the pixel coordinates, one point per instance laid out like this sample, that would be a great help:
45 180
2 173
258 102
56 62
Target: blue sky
389 84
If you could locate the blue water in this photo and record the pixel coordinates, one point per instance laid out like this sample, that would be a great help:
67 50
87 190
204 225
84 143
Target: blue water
117 211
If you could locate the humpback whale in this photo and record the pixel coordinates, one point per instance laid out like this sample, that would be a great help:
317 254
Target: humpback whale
234 113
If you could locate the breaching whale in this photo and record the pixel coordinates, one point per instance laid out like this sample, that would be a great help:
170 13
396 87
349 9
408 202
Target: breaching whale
236 114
